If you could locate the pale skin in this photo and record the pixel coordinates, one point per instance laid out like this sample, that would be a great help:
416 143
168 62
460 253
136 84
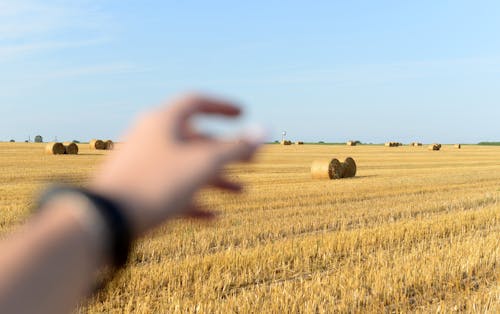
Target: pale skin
48 266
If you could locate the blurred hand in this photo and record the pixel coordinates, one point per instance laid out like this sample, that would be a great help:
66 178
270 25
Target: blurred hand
164 161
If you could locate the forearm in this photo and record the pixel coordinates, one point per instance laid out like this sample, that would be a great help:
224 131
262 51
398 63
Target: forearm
52 261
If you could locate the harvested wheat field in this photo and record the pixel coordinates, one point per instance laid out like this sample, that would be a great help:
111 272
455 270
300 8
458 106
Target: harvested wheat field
415 230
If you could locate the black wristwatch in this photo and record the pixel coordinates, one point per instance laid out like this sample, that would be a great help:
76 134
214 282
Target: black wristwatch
116 222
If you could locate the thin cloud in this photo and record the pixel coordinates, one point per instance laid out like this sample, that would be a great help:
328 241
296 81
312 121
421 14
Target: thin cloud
17 49
100 69
28 27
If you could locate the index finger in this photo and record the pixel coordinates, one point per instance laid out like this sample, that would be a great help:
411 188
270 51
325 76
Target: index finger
194 104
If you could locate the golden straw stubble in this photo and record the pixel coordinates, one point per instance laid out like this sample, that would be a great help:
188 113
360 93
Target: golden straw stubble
71 148
326 169
55 148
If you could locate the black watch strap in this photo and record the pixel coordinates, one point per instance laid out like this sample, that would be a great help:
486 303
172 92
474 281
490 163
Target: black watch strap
115 220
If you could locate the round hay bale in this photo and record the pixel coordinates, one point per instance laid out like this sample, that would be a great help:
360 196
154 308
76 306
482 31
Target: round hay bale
349 168
97 144
393 144
435 147
326 169
299 143
55 148
286 142
459 146
352 143
71 148
109 145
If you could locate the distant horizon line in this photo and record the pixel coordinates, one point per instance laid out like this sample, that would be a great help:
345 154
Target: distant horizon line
485 143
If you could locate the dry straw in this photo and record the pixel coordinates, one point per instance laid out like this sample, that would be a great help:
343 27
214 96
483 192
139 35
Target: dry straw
458 146
97 144
352 143
71 148
349 168
326 169
55 148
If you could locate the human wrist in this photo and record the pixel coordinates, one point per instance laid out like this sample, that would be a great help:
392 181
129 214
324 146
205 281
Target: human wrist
114 227
129 207
79 211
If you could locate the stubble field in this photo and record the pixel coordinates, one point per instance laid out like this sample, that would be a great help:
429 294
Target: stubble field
415 230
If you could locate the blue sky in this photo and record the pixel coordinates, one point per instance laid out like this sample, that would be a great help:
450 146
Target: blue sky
321 70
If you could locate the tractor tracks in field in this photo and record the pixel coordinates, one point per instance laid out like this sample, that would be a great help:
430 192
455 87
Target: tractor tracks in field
321 272
369 222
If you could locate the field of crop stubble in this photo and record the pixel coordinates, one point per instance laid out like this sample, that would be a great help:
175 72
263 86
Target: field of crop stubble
415 230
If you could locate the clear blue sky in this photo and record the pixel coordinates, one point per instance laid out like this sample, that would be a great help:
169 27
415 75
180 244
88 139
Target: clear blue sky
322 70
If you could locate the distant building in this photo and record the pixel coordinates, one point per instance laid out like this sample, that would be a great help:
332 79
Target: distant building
38 139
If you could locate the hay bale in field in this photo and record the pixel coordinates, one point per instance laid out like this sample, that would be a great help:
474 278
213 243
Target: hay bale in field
393 144
416 144
459 146
97 144
55 148
326 169
285 142
299 143
109 145
71 148
352 143
349 168
434 147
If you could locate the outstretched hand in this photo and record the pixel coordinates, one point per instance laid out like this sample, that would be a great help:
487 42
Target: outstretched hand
164 161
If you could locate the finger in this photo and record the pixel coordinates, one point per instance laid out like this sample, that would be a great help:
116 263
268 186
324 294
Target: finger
225 153
224 184
194 104
191 134
242 149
